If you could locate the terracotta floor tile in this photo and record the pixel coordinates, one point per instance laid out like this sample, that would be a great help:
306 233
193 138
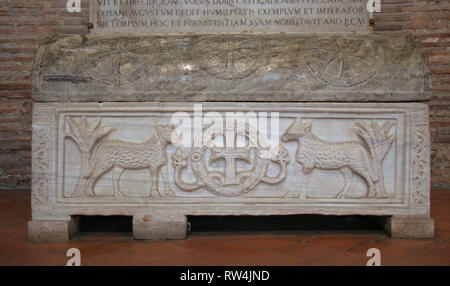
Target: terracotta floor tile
297 236
105 237
204 260
308 251
442 225
18 231
201 243
271 258
142 248
164 253
234 251
391 248
235 248
266 242
231 236
34 259
345 258
341 241
116 259
435 254
442 235
18 253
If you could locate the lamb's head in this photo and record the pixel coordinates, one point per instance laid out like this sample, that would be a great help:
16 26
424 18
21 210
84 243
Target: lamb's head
167 133
298 129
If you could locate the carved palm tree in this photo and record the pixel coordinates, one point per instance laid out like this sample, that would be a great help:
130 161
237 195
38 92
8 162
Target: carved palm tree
86 135
377 140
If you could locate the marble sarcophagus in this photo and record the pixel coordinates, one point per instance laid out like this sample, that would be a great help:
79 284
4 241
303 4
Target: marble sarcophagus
160 128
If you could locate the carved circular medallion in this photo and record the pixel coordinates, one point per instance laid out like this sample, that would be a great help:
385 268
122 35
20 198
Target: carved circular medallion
119 61
229 58
344 62
233 182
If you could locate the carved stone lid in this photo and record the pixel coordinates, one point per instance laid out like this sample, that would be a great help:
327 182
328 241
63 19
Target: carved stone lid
230 68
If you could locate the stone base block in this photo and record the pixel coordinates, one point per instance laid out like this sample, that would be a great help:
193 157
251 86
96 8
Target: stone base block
52 230
159 227
410 227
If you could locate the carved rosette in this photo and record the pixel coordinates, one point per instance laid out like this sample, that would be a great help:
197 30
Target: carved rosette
344 62
41 155
420 158
118 62
231 58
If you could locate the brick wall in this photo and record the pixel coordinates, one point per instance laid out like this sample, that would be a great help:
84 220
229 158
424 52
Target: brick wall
428 21
24 23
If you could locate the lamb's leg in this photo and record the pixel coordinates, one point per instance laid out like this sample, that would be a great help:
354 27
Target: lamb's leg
348 181
117 173
92 179
371 192
370 185
82 188
85 184
154 190
304 186
302 190
104 165
165 176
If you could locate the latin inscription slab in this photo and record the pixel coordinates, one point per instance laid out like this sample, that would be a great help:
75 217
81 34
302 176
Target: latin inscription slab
229 16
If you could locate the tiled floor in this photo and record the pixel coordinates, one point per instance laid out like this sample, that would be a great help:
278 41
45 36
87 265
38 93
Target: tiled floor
236 248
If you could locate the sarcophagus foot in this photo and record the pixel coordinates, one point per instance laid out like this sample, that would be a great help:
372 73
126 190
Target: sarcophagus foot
160 162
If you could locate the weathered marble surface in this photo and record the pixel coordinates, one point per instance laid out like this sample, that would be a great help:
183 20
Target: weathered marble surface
229 16
230 68
121 159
